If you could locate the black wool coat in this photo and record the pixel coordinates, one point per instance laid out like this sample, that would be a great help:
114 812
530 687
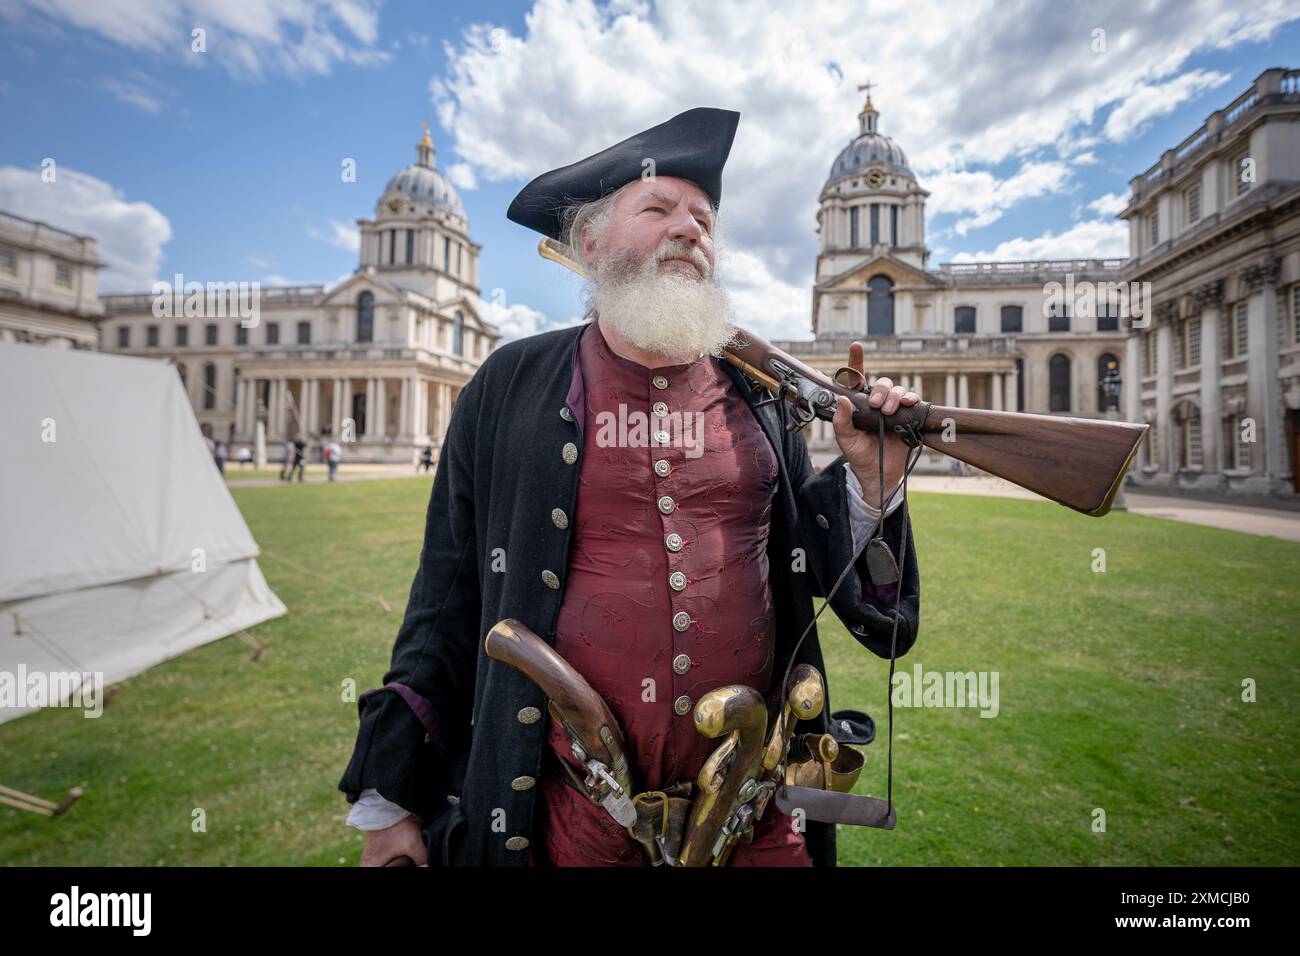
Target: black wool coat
460 745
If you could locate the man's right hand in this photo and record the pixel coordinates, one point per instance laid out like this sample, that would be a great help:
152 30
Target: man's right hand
387 847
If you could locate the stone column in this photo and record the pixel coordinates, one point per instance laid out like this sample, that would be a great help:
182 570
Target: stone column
370 409
997 389
336 409
1131 384
1262 385
1009 401
404 409
963 391
313 406
950 390
1165 397
381 407
1212 450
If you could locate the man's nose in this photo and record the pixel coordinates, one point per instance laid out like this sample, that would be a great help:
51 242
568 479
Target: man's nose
686 228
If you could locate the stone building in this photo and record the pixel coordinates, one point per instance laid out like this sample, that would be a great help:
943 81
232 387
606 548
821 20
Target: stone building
375 362
1214 226
48 285
979 334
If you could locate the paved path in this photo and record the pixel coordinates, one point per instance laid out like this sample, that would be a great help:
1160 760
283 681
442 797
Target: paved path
317 474
1231 515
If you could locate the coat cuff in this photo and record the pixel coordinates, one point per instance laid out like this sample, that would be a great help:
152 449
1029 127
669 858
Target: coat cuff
394 754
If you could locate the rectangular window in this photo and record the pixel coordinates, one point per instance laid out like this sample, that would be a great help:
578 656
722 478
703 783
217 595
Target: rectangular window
1149 357
410 246
1237 340
1153 228
446 254
1241 173
241 334
1059 319
210 334
182 336
1193 203
964 320
459 250
1233 440
151 336
1180 345
1012 318
875 223
63 274
893 225
124 336
8 261
853 228
273 333
1153 448
1193 343
392 246
304 333
1107 316
1192 443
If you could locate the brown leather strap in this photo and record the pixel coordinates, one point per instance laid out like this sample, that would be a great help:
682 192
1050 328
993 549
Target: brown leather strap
828 806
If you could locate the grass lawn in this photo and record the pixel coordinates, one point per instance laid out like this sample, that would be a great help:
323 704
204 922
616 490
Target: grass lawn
1118 690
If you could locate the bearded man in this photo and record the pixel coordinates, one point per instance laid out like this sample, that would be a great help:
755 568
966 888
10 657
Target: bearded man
660 563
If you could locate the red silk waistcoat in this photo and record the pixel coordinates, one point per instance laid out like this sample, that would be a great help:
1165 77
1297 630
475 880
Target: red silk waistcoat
650 643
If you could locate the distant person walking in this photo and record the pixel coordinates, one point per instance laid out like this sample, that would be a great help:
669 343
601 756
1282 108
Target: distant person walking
426 459
245 456
287 468
220 457
332 455
299 456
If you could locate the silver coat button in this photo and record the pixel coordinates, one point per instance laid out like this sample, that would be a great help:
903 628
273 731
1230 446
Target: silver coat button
666 505
662 468
681 621
522 783
551 580
677 581
682 706
569 453
822 522
673 542
517 843
681 663
660 409
566 414
559 518
659 381
529 715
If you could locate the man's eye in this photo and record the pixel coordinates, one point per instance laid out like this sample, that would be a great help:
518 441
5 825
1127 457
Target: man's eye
654 209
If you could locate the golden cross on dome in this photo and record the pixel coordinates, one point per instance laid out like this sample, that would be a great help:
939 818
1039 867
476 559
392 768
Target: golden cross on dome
867 86
427 141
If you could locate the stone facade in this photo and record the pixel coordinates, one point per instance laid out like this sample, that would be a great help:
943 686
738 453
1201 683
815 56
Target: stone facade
48 285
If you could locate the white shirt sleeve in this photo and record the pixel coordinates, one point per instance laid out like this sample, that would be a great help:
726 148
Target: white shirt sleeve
373 812
862 516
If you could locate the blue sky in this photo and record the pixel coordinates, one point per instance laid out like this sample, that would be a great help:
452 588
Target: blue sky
225 165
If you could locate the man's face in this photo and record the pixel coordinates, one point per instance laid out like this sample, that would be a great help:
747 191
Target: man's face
666 217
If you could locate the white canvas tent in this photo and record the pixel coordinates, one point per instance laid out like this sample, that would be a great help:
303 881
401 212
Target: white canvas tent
120 545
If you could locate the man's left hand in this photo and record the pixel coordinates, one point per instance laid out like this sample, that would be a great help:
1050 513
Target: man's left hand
860 448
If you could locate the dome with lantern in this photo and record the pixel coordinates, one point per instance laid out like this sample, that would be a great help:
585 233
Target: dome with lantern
870 149
421 187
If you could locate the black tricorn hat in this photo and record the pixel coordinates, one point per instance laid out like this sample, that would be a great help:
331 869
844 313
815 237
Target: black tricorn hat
693 145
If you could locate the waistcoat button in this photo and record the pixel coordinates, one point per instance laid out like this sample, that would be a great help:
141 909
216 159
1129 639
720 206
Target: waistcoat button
677 581
659 381
673 542
662 468
666 505
681 663
682 706
660 410
681 621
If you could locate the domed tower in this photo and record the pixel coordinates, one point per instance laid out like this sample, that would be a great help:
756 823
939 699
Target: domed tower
871 204
419 238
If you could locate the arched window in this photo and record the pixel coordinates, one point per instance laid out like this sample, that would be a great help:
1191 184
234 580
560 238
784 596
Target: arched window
963 319
880 306
366 317
1058 383
209 385
1108 383
1012 318
458 335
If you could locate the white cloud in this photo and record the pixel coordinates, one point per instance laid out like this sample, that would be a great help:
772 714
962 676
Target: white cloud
246 37
1152 100
341 235
986 196
135 95
1093 239
130 234
1111 204
516 319
462 175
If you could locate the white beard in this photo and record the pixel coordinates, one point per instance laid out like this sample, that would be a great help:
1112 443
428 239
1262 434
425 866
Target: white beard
674 315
